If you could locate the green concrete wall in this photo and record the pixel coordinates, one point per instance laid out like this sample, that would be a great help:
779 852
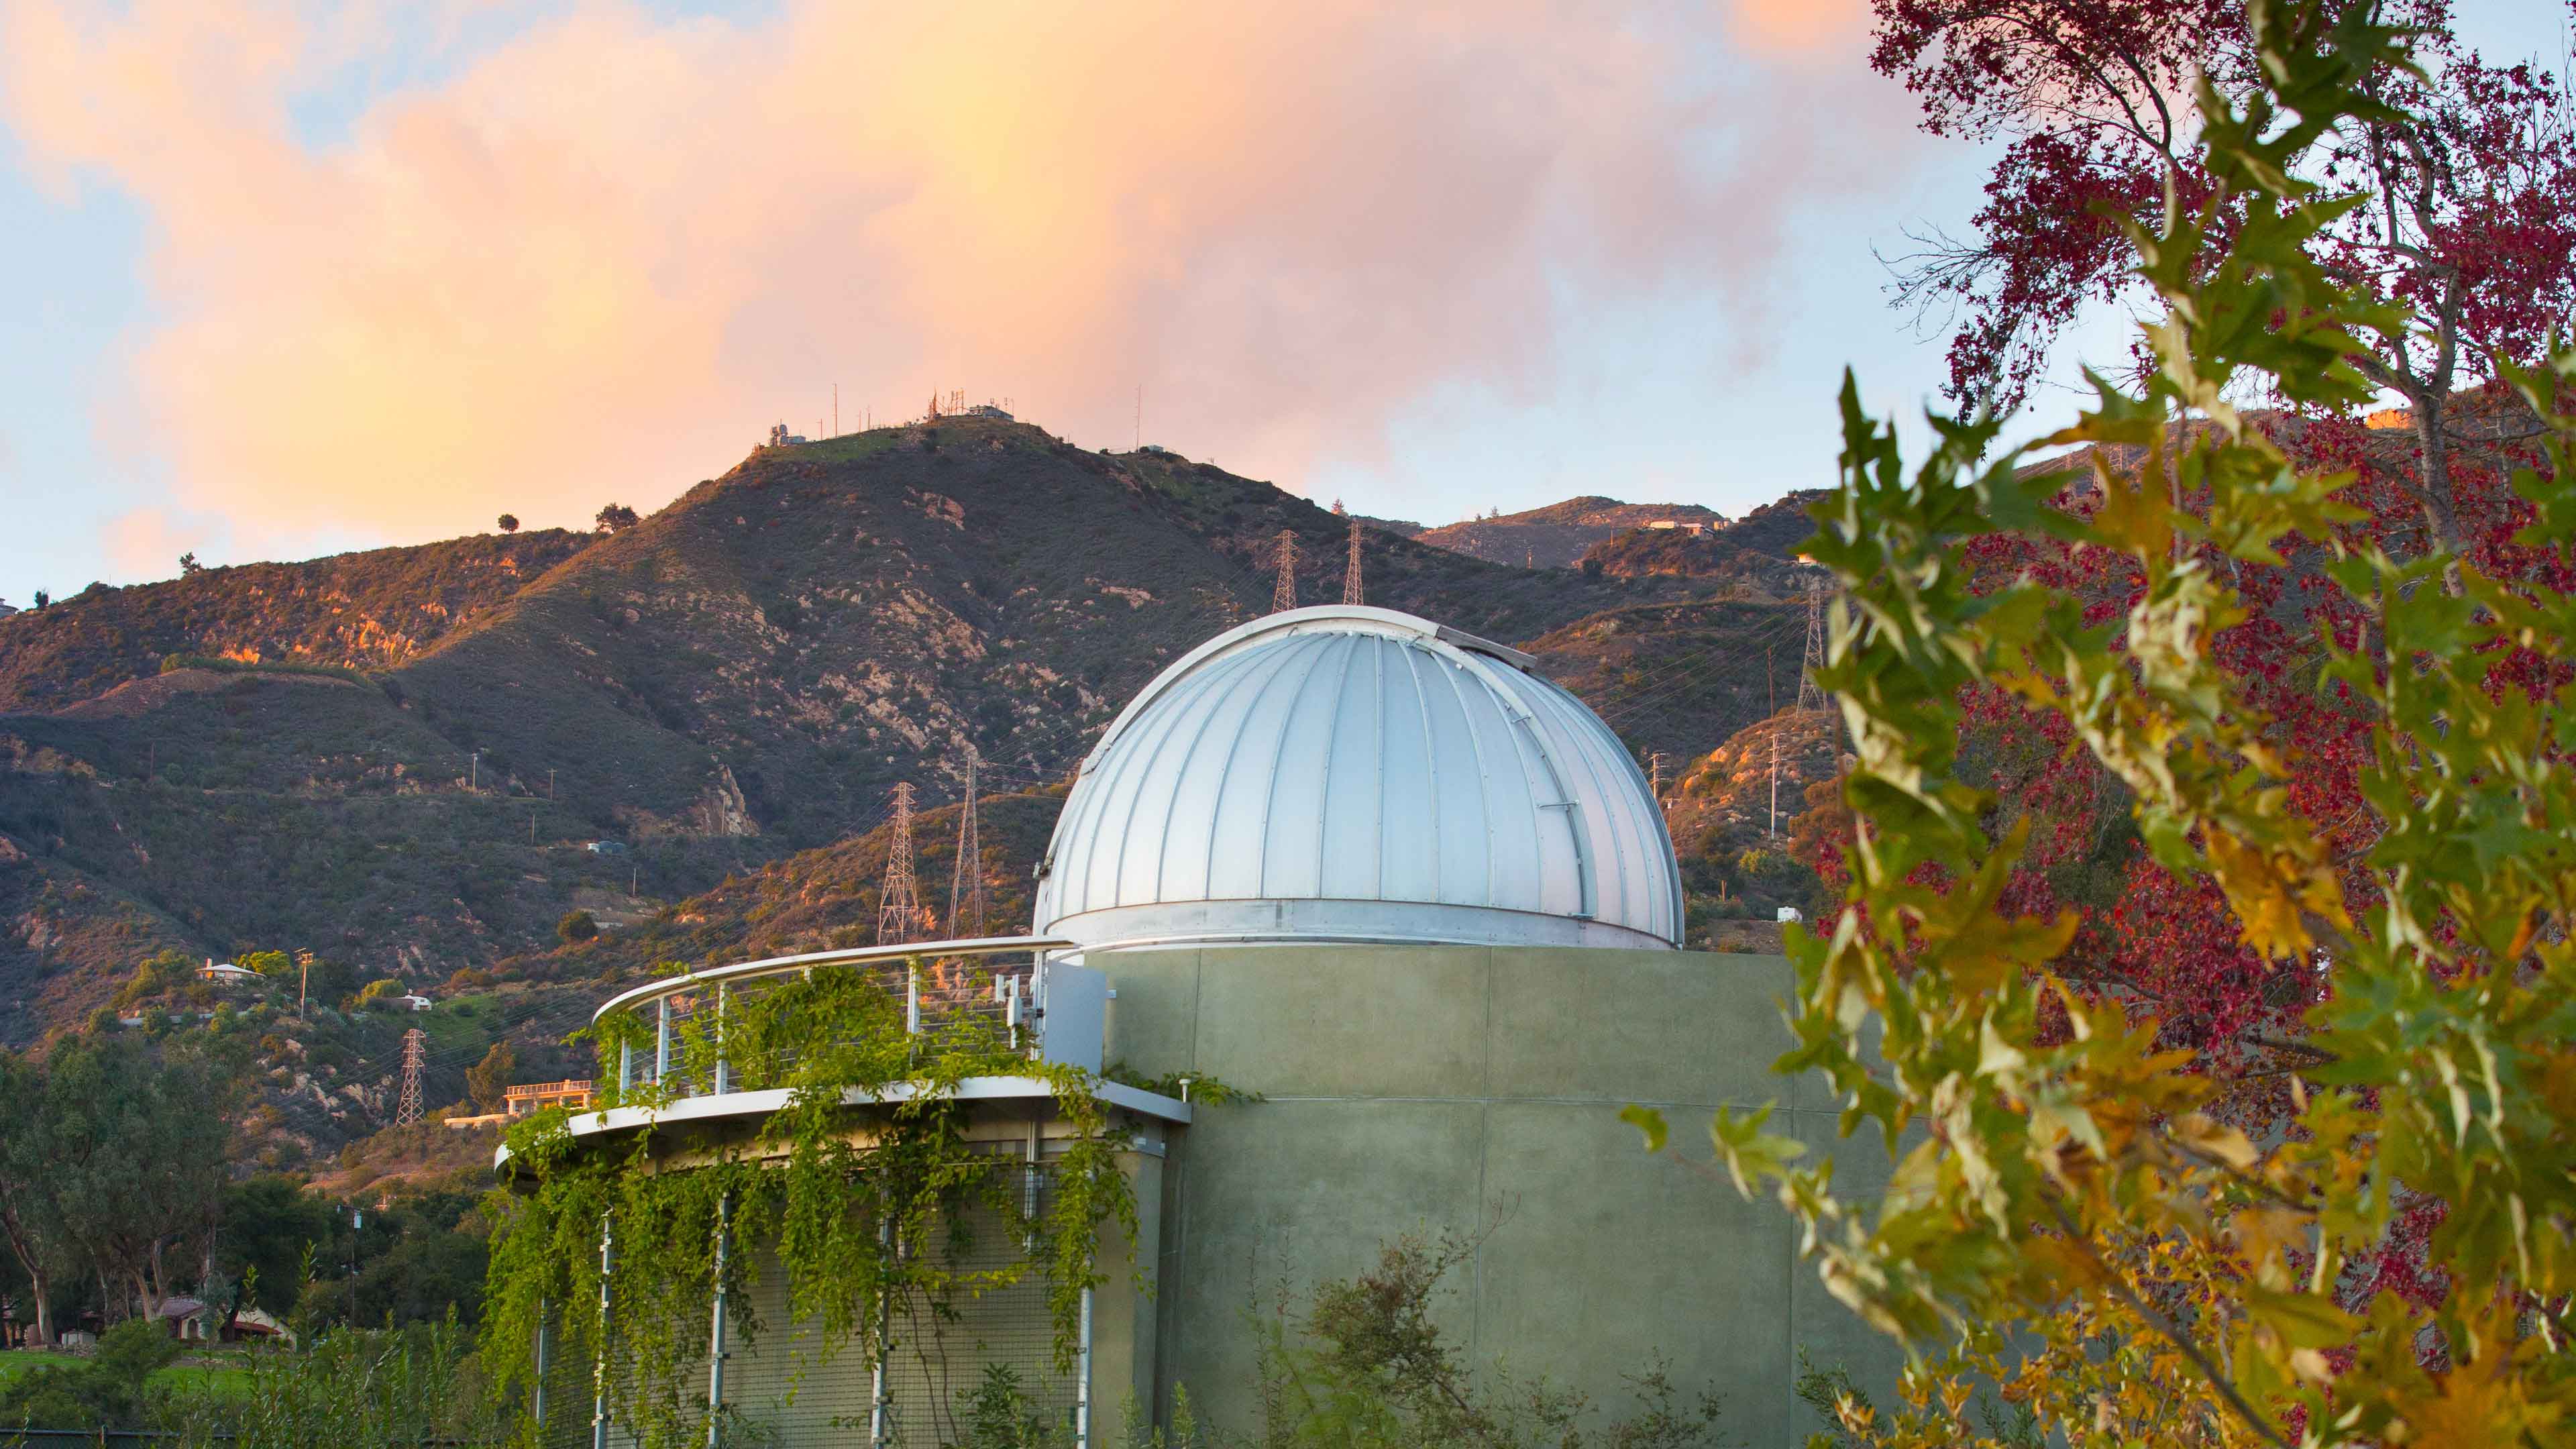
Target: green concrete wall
1423 1089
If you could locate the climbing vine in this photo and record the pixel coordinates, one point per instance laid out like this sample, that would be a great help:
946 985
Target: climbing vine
872 1210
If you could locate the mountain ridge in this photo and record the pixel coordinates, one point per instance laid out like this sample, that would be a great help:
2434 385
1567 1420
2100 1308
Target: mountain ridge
739 677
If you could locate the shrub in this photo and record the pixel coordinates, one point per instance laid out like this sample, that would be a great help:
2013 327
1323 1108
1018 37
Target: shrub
576 926
106 1391
488 1081
377 993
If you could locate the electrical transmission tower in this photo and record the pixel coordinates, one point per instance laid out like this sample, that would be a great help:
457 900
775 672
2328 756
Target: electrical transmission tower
966 886
1284 596
414 1041
1811 695
899 913
1351 572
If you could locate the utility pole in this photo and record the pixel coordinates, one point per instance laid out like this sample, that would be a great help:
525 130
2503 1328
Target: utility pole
550 784
409 1111
899 904
1351 571
1772 685
303 978
474 774
966 883
1284 595
1655 776
1140 415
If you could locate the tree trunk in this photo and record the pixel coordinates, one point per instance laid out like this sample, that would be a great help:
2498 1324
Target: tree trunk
41 1285
2431 420
148 1283
31 1257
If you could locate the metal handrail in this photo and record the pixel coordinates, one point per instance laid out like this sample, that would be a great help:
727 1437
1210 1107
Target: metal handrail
857 955
539 1089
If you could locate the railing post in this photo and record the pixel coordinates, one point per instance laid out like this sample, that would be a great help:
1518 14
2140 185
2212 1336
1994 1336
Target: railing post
716 1328
1082 1383
625 1067
912 998
724 1069
880 1408
599 1362
662 1046
545 1360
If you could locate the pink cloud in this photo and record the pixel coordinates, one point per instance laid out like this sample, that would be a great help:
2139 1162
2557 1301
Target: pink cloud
597 261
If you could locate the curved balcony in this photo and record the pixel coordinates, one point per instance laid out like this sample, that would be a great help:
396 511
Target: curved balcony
1051 1011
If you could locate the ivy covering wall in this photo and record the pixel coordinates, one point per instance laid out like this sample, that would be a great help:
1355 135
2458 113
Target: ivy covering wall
868 1207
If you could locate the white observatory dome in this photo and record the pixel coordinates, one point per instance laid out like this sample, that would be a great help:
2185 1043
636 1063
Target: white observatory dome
1357 774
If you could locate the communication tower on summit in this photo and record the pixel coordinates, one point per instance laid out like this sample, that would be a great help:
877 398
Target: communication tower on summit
409 1110
966 884
1351 572
1284 596
899 914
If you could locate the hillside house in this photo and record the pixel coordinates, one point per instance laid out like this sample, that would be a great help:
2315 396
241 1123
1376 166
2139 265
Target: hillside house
779 437
519 1101
412 1001
225 973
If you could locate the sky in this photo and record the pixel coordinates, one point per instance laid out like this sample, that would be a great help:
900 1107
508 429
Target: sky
295 279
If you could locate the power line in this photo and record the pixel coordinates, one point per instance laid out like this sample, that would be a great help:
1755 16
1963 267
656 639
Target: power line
1351 573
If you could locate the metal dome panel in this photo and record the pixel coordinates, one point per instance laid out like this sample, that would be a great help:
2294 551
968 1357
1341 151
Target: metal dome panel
1348 773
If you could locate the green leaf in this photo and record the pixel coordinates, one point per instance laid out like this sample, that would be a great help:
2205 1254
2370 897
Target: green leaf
1648 1121
2303 1320
1751 1155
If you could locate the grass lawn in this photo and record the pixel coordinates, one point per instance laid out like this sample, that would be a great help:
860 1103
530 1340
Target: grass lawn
229 1378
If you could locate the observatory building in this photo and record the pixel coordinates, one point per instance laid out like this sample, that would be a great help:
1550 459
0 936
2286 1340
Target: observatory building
1419 899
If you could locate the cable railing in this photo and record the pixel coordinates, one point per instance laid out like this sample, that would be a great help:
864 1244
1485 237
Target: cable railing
934 983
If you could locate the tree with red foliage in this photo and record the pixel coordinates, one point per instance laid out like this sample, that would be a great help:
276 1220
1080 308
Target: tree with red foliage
2464 224
2466 171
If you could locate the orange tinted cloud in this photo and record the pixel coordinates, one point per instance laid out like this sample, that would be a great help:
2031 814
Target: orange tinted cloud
1801 27
599 259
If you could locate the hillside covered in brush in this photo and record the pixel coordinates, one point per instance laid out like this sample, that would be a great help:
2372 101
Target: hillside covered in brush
1554 537
370 610
331 763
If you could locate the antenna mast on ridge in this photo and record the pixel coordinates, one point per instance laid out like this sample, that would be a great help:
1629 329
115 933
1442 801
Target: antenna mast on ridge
1351 573
966 884
899 906
1284 596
